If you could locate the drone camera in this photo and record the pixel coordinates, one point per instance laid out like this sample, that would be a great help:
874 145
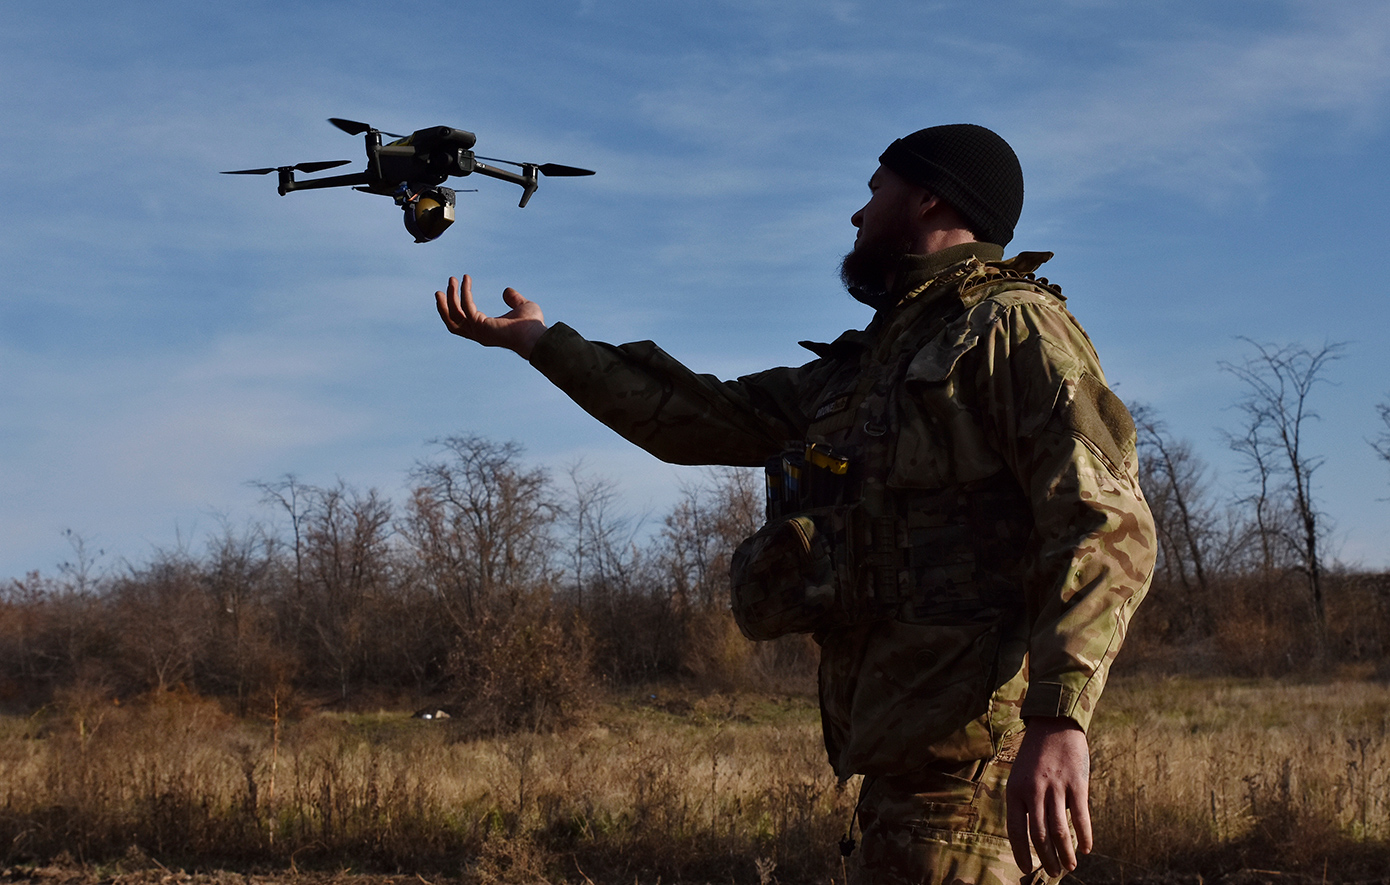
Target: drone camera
428 211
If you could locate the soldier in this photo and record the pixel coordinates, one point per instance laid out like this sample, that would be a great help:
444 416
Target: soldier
954 513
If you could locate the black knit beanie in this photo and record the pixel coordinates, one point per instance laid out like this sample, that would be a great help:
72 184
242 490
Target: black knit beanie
969 167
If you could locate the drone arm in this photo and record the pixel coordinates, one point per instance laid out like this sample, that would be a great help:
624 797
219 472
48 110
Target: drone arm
527 178
288 183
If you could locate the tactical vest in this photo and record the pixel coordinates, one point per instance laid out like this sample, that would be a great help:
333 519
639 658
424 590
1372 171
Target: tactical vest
846 539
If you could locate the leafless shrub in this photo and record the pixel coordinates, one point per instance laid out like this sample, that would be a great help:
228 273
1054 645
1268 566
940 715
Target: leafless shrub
523 670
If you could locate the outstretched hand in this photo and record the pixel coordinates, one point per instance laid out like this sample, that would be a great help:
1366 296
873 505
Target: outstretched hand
517 330
1050 778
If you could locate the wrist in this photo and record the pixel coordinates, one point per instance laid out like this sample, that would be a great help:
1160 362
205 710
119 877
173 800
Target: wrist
529 335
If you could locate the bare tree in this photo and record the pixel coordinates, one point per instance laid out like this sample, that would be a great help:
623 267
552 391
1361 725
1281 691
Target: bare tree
347 564
81 573
599 540
1279 382
1382 441
242 655
74 618
161 620
291 495
480 524
53 628
1175 481
1270 521
700 534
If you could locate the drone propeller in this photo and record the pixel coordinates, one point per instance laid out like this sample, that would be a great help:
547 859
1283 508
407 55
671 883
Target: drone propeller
298 167
554 170
352 127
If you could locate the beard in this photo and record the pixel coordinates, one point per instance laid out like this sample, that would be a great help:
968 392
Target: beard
866 268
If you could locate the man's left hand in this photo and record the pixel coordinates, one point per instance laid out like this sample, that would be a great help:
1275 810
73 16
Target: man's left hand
1050 778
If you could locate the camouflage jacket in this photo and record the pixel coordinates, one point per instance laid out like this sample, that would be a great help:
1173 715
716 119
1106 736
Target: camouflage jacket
999 473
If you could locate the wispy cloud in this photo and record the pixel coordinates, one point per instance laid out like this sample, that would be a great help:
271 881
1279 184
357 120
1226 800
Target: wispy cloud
1200 116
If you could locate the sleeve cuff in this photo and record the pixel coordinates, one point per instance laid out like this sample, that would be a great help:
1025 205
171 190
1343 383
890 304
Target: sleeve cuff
546 355
1055 699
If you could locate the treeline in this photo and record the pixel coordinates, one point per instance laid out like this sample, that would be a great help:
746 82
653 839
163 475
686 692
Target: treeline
499 588
1244 583
511 592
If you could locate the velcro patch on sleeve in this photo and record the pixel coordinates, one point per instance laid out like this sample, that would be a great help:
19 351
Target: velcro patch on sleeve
1097 414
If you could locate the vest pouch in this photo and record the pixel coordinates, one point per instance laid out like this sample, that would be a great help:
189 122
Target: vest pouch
783 578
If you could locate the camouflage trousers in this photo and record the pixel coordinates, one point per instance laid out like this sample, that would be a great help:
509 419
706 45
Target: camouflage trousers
940 827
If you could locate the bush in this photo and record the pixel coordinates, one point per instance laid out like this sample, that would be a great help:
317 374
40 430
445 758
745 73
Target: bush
523 671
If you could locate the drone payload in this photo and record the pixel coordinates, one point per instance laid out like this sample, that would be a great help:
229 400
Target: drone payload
412 169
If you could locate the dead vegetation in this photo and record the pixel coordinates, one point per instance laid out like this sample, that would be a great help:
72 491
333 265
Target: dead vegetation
1192 778
686 789
607 723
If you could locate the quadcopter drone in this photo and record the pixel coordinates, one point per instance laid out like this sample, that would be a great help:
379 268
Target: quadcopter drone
412 169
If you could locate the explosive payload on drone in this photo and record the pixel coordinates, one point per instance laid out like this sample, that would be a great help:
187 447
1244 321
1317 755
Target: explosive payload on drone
412 169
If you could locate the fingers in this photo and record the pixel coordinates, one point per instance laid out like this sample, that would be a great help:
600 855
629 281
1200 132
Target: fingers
1055 850
1040 823
1042 833
457 310
445 304
513 298
1048 793
1041 826
448 305
1018 832
470 309
1081 818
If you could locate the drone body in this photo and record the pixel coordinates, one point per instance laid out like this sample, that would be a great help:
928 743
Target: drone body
412 169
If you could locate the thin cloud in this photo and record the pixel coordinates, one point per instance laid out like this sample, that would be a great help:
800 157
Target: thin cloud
1201 117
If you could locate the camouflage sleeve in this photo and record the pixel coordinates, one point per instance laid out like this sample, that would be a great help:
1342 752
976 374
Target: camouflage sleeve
677 415
1071 443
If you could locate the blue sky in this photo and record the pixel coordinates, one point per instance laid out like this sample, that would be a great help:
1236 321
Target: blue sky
167 334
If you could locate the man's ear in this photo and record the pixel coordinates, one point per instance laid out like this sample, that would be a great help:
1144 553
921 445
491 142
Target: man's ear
928 203
935 213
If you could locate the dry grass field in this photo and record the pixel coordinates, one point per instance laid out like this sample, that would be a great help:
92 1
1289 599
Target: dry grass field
1217 775
1192 778
683 789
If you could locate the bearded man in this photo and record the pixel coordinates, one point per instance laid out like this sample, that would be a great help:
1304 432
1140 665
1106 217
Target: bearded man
954 512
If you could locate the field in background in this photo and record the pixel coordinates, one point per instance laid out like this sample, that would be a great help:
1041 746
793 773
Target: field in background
682 789
1191 776
1211 776
204 709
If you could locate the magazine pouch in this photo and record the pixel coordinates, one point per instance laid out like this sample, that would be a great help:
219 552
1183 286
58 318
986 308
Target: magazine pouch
783 577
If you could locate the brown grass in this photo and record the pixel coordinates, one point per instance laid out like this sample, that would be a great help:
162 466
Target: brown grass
681 788
1217 775
1190 776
